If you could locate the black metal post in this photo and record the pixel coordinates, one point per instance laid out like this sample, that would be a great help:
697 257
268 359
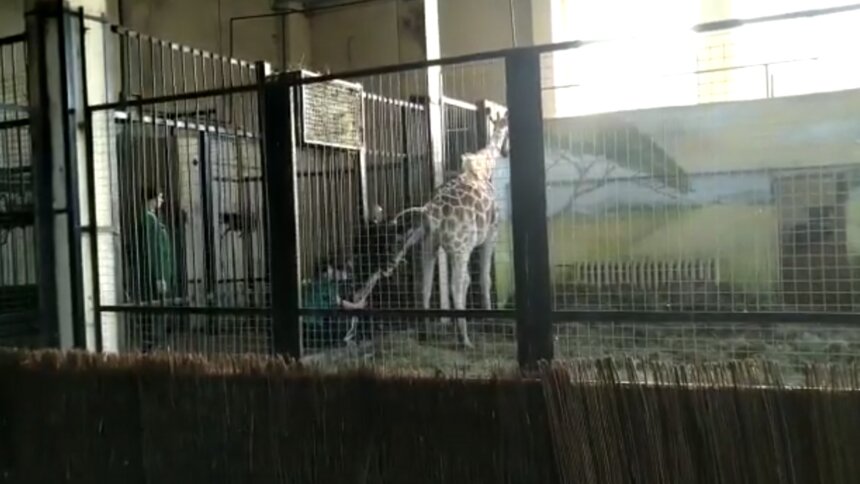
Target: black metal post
210 279
277 107
71 72
71 84
42 156
528 208
55 98
406 175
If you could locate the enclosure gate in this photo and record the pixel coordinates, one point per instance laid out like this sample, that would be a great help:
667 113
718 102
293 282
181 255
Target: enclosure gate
19 299
185 123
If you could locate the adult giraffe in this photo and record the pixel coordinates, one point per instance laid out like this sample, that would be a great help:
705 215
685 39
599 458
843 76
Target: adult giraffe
462 216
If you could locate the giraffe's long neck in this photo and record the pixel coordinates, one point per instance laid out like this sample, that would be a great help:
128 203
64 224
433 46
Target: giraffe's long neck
497 142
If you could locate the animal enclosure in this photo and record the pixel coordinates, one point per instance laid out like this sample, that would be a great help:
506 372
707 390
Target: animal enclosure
234 209
349 195
18 253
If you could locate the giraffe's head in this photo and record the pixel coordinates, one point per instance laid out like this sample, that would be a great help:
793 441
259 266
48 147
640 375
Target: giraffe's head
499 136
482 164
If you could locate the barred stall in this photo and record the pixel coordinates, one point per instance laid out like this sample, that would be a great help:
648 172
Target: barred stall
19 294
704 211
362 157
183 194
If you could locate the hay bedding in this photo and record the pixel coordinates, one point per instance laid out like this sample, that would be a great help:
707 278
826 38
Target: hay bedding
90 418
790 345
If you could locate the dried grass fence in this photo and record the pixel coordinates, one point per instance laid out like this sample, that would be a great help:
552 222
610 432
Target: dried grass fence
88 418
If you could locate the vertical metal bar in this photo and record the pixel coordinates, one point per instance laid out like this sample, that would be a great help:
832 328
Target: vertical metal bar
209 277
278 108
528 207
79 334
22 185
7 177
260 72
232 170
138 146
42 166
124 75
52 147
406 159
362 165
91 187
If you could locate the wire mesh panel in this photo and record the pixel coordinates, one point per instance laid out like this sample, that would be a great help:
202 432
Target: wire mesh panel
149 67
191 222
358 206
665 201
222 334
661 203
461 132
404 342
176 145
718 207
397 158
18 283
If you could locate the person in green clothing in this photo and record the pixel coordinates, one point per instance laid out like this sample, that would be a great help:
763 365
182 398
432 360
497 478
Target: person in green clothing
324 292
153 255
156 269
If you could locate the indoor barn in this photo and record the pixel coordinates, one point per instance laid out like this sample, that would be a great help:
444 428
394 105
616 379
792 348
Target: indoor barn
555 219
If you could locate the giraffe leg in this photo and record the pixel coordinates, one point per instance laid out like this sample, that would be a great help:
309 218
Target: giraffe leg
428 271
459 288
487 250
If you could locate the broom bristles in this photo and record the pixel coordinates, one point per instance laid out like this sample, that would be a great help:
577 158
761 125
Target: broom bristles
184 418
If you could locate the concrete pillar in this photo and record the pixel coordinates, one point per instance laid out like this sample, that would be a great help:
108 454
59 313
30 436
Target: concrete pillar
298 40
102 85
51 78
65 223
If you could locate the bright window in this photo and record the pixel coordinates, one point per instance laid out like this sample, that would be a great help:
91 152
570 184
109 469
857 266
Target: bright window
657 63
623 74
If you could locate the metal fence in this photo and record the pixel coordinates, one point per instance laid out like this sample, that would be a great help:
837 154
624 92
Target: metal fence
711 230
706 213
241 211
346 196
18 257
177 142
180 145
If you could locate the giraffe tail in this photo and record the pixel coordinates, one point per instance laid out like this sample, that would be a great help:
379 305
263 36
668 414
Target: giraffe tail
413 236
407 211
361 295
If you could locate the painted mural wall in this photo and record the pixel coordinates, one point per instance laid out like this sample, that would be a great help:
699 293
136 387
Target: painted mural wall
742 182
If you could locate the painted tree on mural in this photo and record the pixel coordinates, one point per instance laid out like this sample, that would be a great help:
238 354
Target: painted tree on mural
594 150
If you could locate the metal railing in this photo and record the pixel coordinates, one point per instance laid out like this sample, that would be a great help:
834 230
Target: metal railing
19 298
271 186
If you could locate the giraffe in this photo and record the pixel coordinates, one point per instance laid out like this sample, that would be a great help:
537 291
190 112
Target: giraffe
462 216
